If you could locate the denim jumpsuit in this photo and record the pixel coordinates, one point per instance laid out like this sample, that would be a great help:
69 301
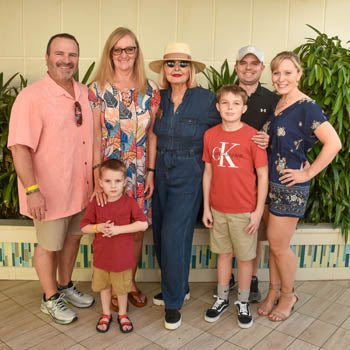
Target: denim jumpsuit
178 185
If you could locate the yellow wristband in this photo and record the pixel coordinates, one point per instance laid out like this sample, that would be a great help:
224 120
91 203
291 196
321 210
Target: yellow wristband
31 188
95 228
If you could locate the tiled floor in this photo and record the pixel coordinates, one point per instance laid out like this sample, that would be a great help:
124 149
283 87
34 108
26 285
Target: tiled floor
321 321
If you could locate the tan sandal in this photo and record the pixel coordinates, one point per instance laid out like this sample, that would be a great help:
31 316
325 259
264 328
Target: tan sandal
263 310
282 316
135 298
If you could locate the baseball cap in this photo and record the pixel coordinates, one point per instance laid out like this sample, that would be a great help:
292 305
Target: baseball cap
245 50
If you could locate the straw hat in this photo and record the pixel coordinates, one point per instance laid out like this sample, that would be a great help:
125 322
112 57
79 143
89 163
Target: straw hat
179 52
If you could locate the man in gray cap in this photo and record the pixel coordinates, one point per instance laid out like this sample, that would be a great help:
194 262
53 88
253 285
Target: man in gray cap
249 67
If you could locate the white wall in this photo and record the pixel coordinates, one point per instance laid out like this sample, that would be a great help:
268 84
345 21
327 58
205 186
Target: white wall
215 29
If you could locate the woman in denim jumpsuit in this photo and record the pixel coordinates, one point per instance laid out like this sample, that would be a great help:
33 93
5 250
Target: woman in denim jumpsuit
185 113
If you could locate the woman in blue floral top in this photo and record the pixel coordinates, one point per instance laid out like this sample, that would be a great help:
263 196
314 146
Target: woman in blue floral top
295 126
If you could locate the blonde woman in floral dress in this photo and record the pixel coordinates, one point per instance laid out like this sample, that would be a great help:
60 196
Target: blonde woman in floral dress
124 103
296 125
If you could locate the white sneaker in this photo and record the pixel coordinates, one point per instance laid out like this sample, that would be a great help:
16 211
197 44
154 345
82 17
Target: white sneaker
78 299
58 310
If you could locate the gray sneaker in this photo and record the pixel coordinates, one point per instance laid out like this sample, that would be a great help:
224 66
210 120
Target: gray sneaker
58 310
78 299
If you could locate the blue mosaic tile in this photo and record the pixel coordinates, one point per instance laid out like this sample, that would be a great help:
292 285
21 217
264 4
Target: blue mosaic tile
329 256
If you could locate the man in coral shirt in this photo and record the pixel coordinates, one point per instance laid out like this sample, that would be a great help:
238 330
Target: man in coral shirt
51 142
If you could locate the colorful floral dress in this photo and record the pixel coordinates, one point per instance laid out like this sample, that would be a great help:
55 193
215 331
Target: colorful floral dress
125 120
291 138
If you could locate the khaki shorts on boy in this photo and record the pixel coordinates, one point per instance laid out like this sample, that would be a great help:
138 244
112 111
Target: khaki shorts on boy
120 281
228 235
52 234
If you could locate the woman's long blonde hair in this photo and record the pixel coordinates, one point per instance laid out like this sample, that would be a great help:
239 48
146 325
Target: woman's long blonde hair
105 71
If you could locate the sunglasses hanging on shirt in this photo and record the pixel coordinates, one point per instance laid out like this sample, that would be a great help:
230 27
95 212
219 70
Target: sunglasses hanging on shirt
78 113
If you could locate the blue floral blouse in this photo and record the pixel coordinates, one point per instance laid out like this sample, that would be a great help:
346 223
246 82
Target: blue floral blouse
292 136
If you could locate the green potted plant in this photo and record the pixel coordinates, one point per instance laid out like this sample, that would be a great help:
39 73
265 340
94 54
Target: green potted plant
326 79
8 183
86 76
217 79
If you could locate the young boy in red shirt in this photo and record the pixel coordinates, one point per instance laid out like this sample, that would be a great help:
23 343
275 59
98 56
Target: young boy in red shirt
233 202
113 225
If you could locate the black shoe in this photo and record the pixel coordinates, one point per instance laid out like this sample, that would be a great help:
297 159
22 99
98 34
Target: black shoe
218 308
232 285
244 317
254 293
172 319
232 281
158 298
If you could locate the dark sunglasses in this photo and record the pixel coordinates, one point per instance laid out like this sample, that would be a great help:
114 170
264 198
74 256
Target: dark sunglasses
128 50
78 113
182 64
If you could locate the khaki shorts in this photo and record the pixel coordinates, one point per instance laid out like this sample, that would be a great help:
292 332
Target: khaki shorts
52 234
228 235
120 281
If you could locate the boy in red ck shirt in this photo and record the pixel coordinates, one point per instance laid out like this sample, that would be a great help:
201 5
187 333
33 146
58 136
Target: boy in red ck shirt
233 202
113 225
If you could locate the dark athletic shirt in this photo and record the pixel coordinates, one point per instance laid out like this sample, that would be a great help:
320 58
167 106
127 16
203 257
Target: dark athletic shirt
260 105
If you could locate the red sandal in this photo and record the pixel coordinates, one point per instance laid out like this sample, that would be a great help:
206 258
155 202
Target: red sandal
102 322
123 324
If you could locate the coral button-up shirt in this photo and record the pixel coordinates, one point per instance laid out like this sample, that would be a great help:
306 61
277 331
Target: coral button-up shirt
43 119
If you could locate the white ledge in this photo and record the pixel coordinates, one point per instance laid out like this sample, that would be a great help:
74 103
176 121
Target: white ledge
305 234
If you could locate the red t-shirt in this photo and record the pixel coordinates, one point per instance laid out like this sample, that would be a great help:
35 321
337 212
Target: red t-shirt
114 253
233 157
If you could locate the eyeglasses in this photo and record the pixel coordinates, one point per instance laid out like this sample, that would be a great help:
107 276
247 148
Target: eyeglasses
78 113
182 64
130 50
